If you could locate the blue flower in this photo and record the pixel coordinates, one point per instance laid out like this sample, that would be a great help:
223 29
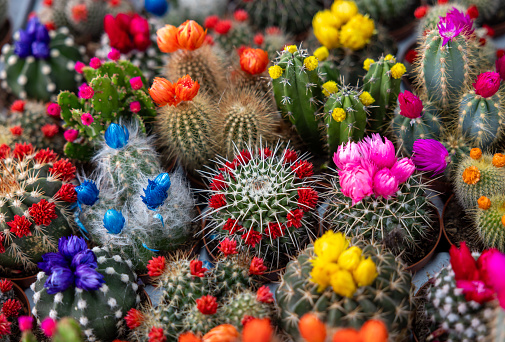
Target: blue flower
50 260
87 192
86 257
40 50
70 246
42 35
113 221
156 7
31 27
87 278
60 279
163 180
116 136
23 50
156 191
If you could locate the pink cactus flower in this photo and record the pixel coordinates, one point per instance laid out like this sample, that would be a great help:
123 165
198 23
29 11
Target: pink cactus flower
79 66
385 183
380 153
87 119
403 169
25 323
500 66
85 91
114 54
410 105
70 135
347 154
356 183
54 110
136 83
487 84
448 29
135 107
95 63
48 326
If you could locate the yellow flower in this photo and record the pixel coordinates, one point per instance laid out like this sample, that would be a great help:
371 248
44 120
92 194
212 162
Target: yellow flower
327 36
367 63
329 246
326 18
390 57
362 24
343 283
350 258
275 72
338 114
366 98
398 70
352 39
321 53
321 273
310 63
329 88
366 272
344 10
291 48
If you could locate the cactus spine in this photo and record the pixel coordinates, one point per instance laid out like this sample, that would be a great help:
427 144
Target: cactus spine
490 221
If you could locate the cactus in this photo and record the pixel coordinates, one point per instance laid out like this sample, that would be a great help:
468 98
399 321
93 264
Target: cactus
430 21
478 177
6 291
240 34
297 90
35 204
487 8
457 146
386 10
97 292
243 304
42 73
387 298
108 98
197 10
67 330
489 220
274 40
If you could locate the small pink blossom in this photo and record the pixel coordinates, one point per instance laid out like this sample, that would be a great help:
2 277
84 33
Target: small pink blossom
114 54
136 83
347 154
475 290
410 105
25 323
382 154
85 91
496 270
87 119
355 183
48 326
70 135
487 84
95 63
135 107
403 169
54 110
447 29
385 184
500 66
79 66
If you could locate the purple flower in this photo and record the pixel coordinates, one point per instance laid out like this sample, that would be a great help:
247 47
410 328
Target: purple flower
487 84
25 323
500 67
23 50
87 278
41 34
403 169
382 154
50 260
40 50
60 279
24 37
447 29
86 257
31 27
461 21
70 246
430 155
385 183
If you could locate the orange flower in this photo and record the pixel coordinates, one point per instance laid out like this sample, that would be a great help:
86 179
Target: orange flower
499 160
346 335
257 330
254 61
471 175
374 331
475 153
312 329
162 92
189 337
503 220
167 39
186 89
222 333
190 35
484 203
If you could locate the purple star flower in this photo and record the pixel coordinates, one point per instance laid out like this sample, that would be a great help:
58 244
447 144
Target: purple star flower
430 155
50 260
86 257
447 29
70 246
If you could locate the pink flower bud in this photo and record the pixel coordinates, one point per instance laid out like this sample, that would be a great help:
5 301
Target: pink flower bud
48 326
25 323
385 183
87 119
136 83
382 154
95 63
356 183
54 110
70 135
500 66
403 169
487 84
114 54
85 91
135 107
347 154
79 66
410 105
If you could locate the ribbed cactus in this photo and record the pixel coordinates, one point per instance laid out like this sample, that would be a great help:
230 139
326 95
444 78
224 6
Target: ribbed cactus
197 10
40 73
489 219
297 90
243 304
386 10
36 198
474 178
457 146
387 298
94 287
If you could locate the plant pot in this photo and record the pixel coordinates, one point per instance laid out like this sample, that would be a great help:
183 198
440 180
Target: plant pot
5 33
23 299
24 282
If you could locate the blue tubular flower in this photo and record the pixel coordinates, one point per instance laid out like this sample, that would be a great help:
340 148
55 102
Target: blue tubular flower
163 180
87 192
157 191
113 221
86 257
87 278
70 246
40 50
50 260
116 136
60 279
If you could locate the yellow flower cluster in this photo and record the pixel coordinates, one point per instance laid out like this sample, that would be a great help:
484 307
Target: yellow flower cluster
343 26
342 268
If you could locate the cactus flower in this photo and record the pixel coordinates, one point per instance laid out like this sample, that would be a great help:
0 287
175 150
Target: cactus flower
496 268
254 61
85 92
54 110
116 136
186 89
350 258
95 63
343 283
87 192
25 323
487 84
163 92
223 27
448 29
365 273
403 169
87 119
347 154
356 183
167 39
430 155
190 35
135 107
380 153
48 326
410 105
155 193
136 83
311 328
211 21
79 66
114 54
461 21
385 184
113 221
500 66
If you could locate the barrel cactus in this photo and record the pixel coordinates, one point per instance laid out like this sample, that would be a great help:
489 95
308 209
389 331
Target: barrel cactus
387 11
489 219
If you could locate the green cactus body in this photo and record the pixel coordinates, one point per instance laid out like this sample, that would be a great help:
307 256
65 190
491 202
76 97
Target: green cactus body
231 276
197 10
458 148
239 35
42 78
67 330
481 119
274 40
298 96
90 24
384 89
199 323
484 179
490 223
99 313
387 299
329 71
346 118
35 200
430 20
487 8
444 71
385 10
243 304
5 296
498 325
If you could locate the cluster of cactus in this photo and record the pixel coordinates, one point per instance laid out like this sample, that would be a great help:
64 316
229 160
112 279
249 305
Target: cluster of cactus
65 330
40 63
232 34
115 90
10 309
386 11
35 205
140 209
94 287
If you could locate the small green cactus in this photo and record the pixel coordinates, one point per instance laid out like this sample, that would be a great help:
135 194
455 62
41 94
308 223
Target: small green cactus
240 34
458 148
241 305
197 10
489 219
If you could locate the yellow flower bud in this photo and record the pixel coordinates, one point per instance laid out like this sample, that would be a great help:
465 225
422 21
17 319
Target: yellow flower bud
321 53
327 36
398 70
330 246
350 258
310 63
366 98
344 10
390 57
367 63
366 272
338 114
326 18
291 48
321 273
329 88
343 283
275 72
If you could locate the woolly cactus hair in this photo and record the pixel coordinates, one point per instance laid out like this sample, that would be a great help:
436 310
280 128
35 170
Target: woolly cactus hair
264 199
95 287
36 198
39 74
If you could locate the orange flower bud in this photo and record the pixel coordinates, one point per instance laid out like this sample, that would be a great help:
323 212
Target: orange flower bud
374 331
189 337
186 89
257 330
499 160
222 333
475 153
162 92
167 39
254 61
471 175
503 220
346 335
190 35
311 328
484 203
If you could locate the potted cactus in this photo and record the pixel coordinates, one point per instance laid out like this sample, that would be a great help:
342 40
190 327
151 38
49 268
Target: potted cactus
13 306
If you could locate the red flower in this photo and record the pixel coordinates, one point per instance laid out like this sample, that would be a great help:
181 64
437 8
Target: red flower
157 335
211 21
228 247
487 84
134 318
116 30
307 199
303 169
20 226
265 153
2 239
290 156
264 295
232 226
252 237
476 290
4 151
63 170
500 53
66 193
229 167
50 130
45 156
253 61
5 326
195 266
218 183
223 26
188 336
207 305
411 56
6 285
54 110
156 266
190 35
243 157
11 308
273 30
43 212
482 265
421 11
274 230
257 267
163 92
240 15
50 26
463 264
295 218
186 89
16 130
489 30
208 40
217 201
473 12
246 319
259 39
18 106
80 12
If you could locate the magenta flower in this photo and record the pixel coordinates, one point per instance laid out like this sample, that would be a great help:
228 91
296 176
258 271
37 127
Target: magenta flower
135 107
25 323
476 290
356 183
114 54
70 135
496 269
385 183
500 67
347 154
87 119
403 169
136 83
382 154
79 66
48 326
487 84
461 21
410 105
447 29
95 63
430 155
54 110
85 91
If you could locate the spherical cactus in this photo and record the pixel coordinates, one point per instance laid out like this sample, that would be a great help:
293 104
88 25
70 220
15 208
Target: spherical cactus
40 63
6 291
387 296
489 219
431 19
231 35
94 287
35 204
457 146
196 10
478 175
239 307
386 11
232 272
